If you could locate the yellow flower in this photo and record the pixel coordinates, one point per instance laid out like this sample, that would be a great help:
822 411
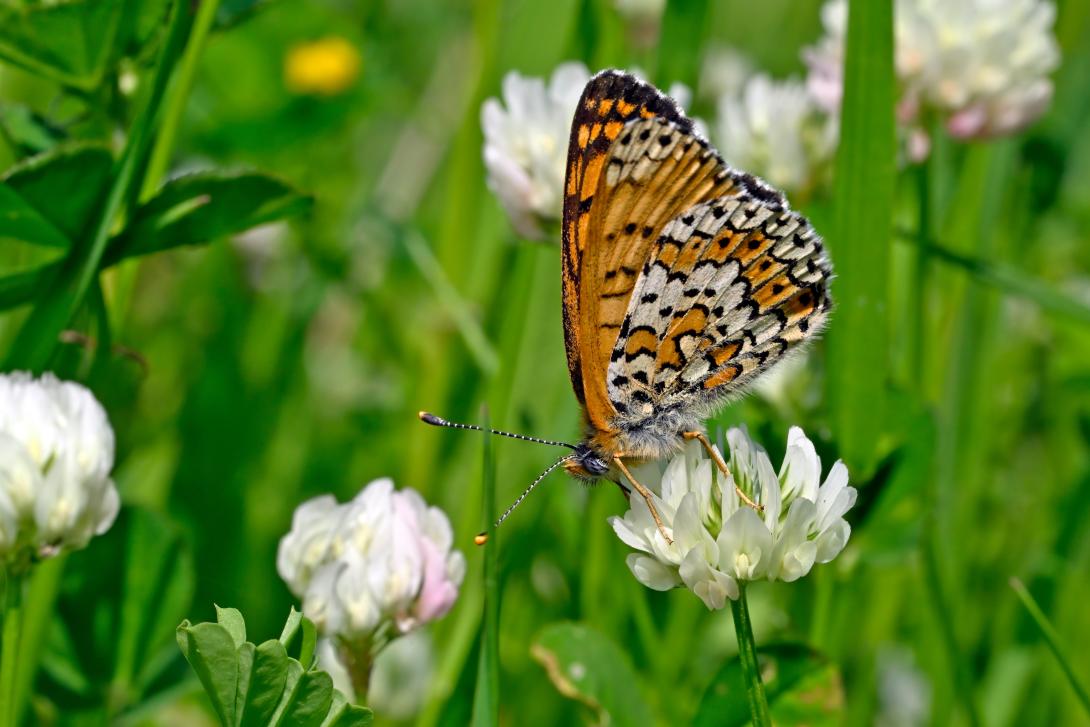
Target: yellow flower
324 67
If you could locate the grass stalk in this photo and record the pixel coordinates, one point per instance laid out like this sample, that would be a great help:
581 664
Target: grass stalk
940 602
917 301
173 109
1052 639
486 699
860 236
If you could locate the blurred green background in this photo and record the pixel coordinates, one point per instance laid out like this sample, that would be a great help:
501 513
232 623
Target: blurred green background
262 370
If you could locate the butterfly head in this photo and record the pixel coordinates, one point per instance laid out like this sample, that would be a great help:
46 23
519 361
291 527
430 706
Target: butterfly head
585 463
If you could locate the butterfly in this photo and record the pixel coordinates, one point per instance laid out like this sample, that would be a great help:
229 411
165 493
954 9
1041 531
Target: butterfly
683 280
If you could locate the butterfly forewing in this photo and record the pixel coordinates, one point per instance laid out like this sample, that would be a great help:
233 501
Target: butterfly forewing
633 165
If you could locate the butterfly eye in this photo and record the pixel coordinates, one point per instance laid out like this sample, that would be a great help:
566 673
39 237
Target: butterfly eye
596 466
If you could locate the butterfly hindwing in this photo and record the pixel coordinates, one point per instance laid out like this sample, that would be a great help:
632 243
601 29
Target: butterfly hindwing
730 287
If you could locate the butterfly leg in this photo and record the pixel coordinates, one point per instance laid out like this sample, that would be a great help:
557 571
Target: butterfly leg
722 466
644 492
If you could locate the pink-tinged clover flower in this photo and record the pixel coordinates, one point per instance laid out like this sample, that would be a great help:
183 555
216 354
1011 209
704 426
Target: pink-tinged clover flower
373 568
981 66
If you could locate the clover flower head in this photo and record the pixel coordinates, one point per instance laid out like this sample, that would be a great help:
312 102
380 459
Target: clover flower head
981 66
777 131
376 567
526 145
56 453
718 540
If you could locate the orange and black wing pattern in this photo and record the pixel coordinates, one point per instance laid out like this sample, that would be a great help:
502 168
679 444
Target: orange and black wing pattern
616 204
729 288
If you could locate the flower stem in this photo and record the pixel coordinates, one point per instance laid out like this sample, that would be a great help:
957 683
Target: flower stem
9 650
747 655
358 661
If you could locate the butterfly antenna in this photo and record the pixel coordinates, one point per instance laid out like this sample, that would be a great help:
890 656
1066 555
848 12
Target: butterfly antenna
482 538
429 418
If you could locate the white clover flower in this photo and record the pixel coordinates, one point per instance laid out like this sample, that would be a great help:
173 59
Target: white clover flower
56 453
776 130
981 65
526 145
381 564
718 541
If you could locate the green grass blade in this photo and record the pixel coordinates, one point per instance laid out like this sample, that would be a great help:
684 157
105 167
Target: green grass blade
476 340
486 699
1053 640
1007 279
860 235
175 101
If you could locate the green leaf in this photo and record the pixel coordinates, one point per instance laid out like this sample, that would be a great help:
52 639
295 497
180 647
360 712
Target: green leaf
802 687
292 677
860 237
343 714
19 288
202 207
269 675
246 652
312 700
26 130
231 619
70 41
185 213
210 650
267 687
307 698
300 629
587 666
291 626
50 199
62 292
